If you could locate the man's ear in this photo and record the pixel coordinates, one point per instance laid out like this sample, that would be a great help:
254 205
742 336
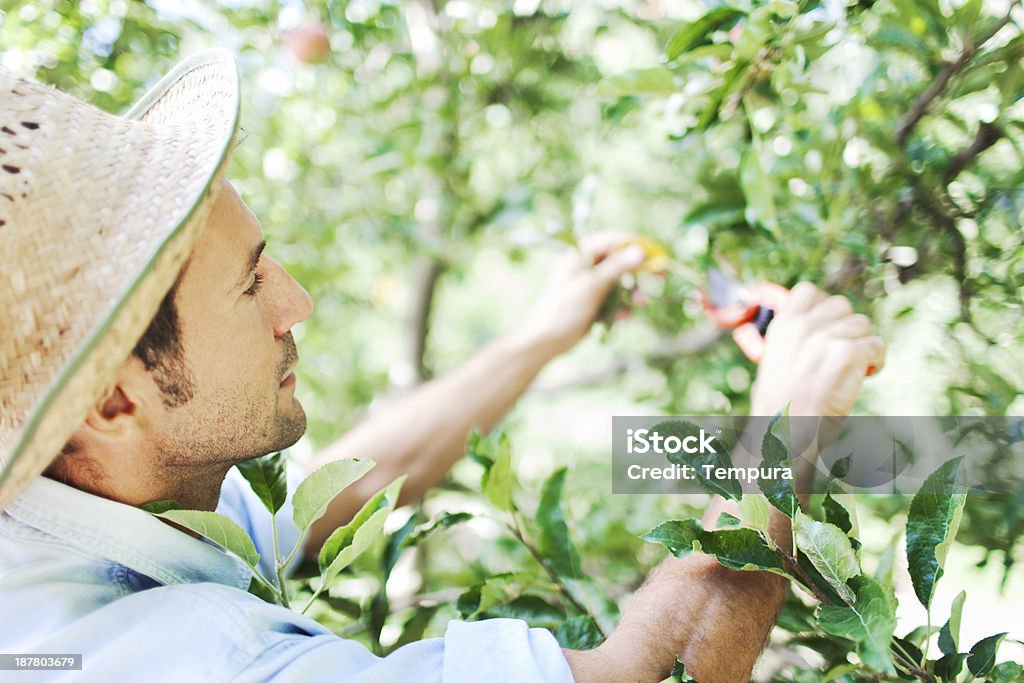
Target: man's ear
117 410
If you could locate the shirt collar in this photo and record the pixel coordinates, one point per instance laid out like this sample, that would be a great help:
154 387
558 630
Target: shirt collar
124 534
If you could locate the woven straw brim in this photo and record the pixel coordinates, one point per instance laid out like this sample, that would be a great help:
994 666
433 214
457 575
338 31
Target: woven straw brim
98 214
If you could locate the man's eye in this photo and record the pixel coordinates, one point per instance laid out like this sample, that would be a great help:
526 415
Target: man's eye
257 281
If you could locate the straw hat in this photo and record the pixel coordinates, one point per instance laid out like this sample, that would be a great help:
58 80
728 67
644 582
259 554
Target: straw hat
98 213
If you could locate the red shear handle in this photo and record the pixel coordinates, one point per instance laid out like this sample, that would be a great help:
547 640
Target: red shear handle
747 336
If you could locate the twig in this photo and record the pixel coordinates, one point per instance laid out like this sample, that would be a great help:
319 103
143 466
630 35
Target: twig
959 248
693 343
796 570
428 272
968 51
988 134
555 578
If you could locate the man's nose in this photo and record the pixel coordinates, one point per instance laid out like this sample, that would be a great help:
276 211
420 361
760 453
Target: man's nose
292 303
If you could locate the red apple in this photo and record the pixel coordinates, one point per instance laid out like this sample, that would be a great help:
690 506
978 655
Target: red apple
309 44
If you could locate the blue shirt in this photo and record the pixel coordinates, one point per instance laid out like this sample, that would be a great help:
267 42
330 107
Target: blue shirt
142 601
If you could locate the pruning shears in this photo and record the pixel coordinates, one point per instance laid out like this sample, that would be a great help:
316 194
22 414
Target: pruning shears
746 309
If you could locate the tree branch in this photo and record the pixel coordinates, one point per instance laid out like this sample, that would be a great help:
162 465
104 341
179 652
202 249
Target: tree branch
988 134
948 225
693 343
968 51
428 272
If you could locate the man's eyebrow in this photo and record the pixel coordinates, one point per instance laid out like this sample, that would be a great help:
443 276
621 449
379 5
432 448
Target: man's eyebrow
254 258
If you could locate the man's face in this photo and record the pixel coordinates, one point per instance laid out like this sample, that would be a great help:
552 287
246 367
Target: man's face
236 307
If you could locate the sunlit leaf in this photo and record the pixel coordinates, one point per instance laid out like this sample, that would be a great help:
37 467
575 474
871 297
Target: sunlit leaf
219 529
949 635
350 541
318 489
829 550
498 483
869 622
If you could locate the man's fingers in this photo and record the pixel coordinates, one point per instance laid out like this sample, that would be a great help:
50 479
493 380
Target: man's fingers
873 352
750 341
596 247
851 326
768 294
619 262
801 298
831 308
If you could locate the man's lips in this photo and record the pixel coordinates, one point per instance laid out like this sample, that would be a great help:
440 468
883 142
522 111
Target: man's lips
289 380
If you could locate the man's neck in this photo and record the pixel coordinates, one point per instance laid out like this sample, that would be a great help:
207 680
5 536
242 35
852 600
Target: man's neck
194 487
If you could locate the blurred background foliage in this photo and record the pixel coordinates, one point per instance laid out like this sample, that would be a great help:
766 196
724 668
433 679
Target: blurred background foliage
418 165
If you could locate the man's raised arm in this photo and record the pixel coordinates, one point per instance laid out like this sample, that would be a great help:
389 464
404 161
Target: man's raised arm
424 434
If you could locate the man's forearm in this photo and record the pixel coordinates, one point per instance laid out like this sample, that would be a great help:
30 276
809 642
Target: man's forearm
715 620
424 433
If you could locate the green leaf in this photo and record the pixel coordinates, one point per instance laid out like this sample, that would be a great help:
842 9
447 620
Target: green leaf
725 521
498 478
755 512
841 467
655 81
268 480
679 673
727 488
553 540
158 506
532 609
261 591
829 550
949 666
579 633
835 513
318 489
478 449
949 635
718 95
931 526
219 529
742 549
715 214
696 33
396 543
468 602
1007 672
982 657
869 622
415 626
445 520
778 491
350 541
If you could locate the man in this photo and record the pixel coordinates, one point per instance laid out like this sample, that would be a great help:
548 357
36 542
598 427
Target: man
174 360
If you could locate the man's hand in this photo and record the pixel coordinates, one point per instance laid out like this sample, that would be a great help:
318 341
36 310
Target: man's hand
576 288
716 619
816 355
